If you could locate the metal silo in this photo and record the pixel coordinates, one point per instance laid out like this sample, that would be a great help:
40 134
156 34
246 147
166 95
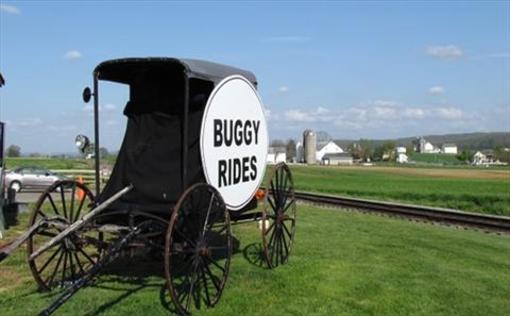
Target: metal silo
310 146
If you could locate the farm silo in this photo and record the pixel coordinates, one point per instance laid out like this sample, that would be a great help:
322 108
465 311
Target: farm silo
310 146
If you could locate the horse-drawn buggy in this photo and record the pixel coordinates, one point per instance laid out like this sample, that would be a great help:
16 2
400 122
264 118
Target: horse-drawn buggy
190 166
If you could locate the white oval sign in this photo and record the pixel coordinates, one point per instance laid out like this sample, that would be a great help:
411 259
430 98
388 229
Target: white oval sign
233 141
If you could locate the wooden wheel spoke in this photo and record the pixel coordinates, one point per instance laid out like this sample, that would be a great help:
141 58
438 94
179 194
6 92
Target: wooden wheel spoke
62 195
71 207
212 277
269 228
206 287
71 265
273 204
65 266
80 206
49 260
87 256
289 205
211 260
185 237
52 203
78 262
286 230
55 270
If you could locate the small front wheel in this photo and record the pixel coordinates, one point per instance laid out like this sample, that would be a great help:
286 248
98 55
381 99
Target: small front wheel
198 249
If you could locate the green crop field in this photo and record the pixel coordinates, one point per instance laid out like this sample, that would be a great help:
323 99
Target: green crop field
476 190
343 263
49 163
443 159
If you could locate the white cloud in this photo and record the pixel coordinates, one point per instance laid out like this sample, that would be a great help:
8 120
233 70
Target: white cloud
288 39
298 116
9 9
449 113
445 52
415 113
436 90
29 122
72 55
283 89
319 114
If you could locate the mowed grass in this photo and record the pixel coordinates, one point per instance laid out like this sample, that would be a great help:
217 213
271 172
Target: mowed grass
343 263
475 190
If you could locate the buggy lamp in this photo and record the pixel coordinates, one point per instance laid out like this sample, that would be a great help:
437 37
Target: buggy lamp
82 142
87 94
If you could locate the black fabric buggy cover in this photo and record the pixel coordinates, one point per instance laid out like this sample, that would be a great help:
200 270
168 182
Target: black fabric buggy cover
150 156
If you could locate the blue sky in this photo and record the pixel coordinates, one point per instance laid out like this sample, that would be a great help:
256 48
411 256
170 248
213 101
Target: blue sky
372 69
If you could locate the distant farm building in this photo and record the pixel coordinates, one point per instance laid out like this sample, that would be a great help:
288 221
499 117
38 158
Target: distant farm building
402 158
276 155
329 147
401 150
449 149
332 159
309 146
486 159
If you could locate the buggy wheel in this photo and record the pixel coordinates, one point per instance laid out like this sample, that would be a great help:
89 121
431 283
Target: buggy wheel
198 249
62 204
278 216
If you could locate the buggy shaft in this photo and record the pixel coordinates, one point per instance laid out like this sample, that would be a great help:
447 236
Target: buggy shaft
79 223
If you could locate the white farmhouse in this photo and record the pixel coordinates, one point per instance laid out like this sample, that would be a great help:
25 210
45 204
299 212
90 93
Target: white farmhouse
402 158
401 150
276 155
327 148
449 149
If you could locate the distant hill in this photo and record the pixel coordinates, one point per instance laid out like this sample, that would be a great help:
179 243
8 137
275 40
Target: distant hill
467 141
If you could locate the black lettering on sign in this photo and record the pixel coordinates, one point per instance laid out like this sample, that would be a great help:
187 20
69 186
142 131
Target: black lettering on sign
227 137
218 139
228 132
238 132
246 177
222 170
236 170
253 174
247 133
256 125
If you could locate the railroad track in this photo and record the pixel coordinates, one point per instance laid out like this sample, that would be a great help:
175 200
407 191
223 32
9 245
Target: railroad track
441 215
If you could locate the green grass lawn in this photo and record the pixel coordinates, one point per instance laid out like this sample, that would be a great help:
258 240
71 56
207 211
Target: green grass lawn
476 190
343 263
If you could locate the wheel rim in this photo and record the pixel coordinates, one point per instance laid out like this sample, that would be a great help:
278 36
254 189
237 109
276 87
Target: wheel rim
198 249
64 202
278 216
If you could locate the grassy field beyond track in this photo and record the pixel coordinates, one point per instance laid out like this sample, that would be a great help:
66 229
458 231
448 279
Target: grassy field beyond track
476 190
343 263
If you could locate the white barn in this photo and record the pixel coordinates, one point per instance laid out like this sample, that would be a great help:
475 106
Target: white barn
449 149
327 148
276 155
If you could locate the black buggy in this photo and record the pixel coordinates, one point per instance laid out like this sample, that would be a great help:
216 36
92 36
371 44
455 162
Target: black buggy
157 199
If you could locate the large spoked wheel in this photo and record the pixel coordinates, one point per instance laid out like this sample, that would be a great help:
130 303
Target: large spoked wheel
278 216
198 249
62 204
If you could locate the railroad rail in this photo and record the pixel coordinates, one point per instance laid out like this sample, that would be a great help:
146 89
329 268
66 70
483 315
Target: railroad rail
435 214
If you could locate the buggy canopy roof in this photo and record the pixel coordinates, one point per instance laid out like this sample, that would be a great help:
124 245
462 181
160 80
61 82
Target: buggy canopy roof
124 69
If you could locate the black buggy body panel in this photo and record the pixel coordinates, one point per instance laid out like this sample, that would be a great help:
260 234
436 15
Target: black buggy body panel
165 94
